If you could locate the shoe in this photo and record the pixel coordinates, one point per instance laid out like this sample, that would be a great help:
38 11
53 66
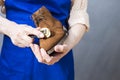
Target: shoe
52 29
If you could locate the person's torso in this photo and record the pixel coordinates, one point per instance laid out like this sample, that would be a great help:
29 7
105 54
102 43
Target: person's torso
20 11
20 63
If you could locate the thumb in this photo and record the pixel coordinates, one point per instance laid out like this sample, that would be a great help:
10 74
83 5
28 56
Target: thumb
60 48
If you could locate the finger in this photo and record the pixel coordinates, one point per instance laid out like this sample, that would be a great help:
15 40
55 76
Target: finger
24 42
45 56
61 51
38 28
32 47
34 31
27 39
49 59
53 61
36 51
56 58
60 48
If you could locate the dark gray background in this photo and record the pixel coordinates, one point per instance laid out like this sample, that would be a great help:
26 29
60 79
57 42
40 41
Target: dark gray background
98 53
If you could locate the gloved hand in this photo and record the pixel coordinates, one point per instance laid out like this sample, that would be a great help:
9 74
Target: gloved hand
19 34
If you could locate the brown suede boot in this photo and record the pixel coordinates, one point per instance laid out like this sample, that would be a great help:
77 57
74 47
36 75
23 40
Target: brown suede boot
52 29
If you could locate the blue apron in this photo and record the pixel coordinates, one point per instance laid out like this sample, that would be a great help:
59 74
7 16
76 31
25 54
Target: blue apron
20 63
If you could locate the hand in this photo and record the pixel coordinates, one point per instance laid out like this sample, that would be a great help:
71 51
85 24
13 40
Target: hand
75 34
43 57
19 34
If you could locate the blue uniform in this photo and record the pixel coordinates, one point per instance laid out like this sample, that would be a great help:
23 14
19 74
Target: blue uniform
20 63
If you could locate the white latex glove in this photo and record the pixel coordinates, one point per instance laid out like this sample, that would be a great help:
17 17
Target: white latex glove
19 34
